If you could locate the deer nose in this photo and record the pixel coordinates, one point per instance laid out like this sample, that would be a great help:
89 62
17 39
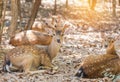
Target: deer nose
106 45
58 40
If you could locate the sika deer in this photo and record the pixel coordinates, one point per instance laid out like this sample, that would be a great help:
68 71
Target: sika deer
98 66
30 37
29 58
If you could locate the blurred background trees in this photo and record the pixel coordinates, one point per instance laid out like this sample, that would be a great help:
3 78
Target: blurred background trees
114 7
21 14
92 4
14 14
33 14
1 9
119 2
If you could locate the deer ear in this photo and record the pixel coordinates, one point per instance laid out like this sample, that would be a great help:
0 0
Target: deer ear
59 17
52 21
51 16
111 48
117 46
65 27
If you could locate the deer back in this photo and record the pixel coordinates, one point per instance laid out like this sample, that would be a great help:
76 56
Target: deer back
30 37
95 66
26 58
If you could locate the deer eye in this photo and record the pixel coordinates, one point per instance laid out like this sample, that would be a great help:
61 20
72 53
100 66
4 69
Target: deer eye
62 34
56 20
54 34
55 26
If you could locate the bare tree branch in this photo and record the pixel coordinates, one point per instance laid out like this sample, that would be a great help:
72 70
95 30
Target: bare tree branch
33 14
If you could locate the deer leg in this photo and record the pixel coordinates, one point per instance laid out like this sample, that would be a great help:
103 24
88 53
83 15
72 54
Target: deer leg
48 65
51 66
27 65
15 69
36 72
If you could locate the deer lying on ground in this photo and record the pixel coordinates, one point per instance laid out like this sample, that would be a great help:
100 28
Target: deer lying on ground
98 66
29 37
29 58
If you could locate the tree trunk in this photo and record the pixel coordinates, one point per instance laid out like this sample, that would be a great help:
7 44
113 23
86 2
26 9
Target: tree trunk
1 9
33 14
92 4
29 0
114 7
14 9
119 2
66 3
19 10
55 7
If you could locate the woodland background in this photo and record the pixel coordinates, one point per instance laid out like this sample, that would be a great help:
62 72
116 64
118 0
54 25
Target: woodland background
88 33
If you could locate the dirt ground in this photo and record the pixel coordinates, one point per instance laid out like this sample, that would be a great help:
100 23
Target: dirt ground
88 34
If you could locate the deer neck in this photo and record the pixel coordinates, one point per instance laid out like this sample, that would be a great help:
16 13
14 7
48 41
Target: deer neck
53 48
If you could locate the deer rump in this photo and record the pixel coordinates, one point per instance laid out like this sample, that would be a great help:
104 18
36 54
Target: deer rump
30 37
95 66
98 66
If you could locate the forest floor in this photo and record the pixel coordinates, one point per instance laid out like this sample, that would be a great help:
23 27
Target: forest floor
87 35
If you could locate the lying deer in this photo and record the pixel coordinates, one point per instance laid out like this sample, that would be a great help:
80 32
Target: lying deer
98 66
29 58
31 37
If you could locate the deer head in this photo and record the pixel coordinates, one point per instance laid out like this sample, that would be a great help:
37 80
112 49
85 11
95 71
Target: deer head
111 48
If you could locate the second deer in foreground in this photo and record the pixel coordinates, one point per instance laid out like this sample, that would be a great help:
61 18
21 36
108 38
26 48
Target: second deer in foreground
98 66
29 58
